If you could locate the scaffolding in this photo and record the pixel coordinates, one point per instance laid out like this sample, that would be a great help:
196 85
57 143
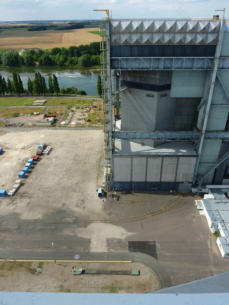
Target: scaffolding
120 52
107 101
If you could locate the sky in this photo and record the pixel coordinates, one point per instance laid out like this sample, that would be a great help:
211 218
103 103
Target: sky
19 10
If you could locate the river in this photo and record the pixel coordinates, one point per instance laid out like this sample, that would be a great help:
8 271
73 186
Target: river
82 79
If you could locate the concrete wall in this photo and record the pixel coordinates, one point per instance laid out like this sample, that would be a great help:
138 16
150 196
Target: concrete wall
153 169
185 114
144 110
165 111
139 109
187 84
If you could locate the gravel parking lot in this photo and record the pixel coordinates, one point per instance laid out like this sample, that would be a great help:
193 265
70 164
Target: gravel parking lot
57 209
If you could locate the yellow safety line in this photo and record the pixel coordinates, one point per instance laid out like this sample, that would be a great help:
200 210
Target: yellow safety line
60 261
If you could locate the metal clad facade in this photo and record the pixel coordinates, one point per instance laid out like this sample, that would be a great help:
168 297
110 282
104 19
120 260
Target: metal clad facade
139 169
165 32
169 169
163 51
122 169
187 84
185 169
154 169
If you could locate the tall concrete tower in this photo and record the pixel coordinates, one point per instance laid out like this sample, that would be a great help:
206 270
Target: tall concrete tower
166 87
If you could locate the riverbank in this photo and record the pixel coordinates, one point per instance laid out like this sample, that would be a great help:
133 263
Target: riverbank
83 79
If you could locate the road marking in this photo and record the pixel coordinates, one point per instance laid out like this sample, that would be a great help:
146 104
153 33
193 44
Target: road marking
60 261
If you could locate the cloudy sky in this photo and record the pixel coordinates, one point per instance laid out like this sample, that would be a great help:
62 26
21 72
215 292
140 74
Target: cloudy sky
83 9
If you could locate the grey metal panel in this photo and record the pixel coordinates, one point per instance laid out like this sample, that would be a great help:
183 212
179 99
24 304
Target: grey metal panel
122 169
169 135
221 87
210 152
164 32
203 168
224 63
139 169
166 63
154 169
169 169
185 169
187 83
225 45
185 113
217 118
135 115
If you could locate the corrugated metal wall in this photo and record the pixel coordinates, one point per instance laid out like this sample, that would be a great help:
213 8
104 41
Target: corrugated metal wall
153 169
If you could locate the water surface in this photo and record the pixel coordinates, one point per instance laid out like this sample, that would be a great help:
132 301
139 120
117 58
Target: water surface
82 79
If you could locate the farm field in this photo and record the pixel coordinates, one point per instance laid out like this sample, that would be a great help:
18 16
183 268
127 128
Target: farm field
21 38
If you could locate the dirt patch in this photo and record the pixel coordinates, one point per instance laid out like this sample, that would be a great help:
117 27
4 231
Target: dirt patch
23 120
69 173
58 278
99 233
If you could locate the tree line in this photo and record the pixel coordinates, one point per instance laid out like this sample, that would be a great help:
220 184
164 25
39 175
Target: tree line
37 86
81 56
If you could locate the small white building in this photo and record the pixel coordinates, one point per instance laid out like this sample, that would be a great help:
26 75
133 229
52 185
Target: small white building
216 211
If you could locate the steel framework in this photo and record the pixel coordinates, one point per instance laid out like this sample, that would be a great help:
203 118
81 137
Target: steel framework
111 70
170 135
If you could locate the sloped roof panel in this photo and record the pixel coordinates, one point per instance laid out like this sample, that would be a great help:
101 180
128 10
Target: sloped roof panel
166 31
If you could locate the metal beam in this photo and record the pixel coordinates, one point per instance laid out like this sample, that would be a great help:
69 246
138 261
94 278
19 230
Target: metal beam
169 135
222 85
162 63
167 63
201 104
209 100
220 161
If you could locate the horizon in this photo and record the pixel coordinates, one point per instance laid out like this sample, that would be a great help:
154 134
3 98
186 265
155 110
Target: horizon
60 10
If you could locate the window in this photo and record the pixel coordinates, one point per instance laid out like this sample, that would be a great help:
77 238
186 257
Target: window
163 95
150 95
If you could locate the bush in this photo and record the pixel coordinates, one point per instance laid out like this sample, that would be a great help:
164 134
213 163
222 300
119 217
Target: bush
15 114
82 92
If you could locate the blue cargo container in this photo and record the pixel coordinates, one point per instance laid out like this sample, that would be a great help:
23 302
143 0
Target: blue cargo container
1 150
31 161
25 169
43 145
28 165
21 175
3 193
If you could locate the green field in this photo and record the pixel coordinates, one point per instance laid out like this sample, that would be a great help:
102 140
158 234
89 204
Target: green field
16 101
95 32
14 112
55 101
11 107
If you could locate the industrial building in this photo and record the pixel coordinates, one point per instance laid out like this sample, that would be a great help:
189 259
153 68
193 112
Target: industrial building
166 103
215 207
